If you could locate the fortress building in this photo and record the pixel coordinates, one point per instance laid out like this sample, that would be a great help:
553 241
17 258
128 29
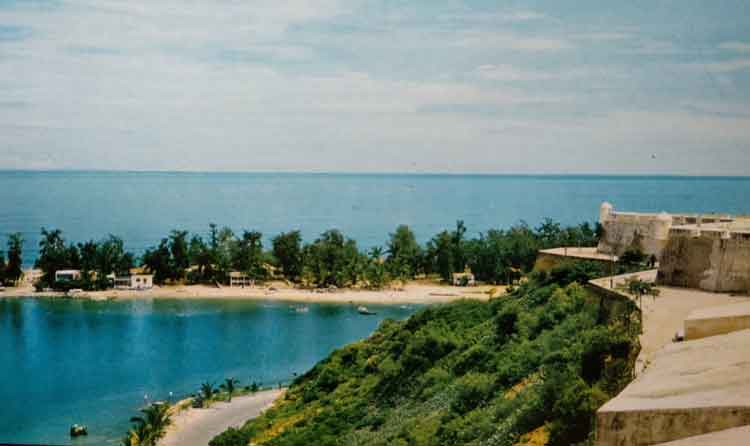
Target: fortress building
710 252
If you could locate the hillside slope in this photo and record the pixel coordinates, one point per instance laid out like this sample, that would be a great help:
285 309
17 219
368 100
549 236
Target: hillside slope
529 368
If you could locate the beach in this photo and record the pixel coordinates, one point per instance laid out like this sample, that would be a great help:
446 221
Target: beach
411 293
196 427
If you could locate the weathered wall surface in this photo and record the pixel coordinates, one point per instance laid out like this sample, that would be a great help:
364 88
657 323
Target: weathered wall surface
649 427
621 231
709 260
688 389
705 322
546 261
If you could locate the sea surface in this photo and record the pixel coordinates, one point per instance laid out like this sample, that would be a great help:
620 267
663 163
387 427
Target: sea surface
78 361
143 207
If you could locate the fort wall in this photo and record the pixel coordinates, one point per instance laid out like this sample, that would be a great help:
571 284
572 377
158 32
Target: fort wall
622 230
709 259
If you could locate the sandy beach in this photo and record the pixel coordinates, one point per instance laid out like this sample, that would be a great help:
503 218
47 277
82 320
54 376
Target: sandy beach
196 427
411 293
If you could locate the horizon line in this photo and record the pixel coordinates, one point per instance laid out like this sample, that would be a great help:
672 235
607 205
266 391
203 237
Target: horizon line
375 173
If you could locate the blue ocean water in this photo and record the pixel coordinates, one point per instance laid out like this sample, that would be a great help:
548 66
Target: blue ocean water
73 361
143 207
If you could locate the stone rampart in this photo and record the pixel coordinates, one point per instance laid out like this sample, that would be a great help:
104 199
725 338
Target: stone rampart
623 230
709 259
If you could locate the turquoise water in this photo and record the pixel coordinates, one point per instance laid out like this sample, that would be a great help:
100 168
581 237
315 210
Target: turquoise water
72 361
143 207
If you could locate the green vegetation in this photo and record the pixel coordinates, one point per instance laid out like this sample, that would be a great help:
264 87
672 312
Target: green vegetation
95 260
334 260
12 272
229 386
148 428
540 360
331 260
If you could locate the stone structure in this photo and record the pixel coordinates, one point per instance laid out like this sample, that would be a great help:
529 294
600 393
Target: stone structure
709 252
689 389
649 232
713 257
622 230
714 321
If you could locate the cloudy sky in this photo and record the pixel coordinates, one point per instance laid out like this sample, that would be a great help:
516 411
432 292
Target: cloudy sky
395 86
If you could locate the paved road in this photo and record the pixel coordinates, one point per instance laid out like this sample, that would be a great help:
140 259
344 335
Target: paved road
196 427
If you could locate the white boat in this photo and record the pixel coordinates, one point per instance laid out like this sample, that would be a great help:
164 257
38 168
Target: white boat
363 310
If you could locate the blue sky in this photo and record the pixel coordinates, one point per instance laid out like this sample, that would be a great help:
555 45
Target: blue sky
454 86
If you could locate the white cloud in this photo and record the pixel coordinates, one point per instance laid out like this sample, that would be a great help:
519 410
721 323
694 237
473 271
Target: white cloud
505 72
262 85
509 41
726 66
741 47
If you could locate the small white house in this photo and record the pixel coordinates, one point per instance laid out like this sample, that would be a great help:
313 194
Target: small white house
67 275
464 279
134 282
240 279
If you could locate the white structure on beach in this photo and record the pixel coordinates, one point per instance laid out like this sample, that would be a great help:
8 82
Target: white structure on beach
464 279
67 275
134 282
240 279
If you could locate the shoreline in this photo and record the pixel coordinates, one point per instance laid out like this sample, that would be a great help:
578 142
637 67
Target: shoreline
411 293
196 427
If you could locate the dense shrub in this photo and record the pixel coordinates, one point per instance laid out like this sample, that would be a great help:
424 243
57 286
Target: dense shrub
465 373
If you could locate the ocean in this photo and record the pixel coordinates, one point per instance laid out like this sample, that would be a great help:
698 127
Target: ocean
142 208
77 361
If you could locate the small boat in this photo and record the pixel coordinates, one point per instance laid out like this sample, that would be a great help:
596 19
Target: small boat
302 309
78 430
363 310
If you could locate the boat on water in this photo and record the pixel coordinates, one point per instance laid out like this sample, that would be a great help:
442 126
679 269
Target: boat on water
78 430
364 310
301 309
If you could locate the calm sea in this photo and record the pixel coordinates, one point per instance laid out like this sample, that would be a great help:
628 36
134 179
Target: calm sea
71 361
143 207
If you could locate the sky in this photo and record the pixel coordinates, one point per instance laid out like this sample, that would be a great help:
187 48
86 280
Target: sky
609 87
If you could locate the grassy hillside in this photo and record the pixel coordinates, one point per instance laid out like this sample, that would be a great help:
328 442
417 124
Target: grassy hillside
529 368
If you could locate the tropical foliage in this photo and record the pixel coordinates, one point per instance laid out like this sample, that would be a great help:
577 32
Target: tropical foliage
541 359
497 256
10 271
148 428
95 259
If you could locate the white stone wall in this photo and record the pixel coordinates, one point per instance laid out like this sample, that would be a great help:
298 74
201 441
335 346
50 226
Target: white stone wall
622 228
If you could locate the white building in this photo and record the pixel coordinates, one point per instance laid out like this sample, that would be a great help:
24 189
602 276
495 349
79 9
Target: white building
134 282
67 275
240 279
464 279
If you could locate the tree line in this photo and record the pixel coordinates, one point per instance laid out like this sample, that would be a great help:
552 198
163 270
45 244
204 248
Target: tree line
331 260
10 271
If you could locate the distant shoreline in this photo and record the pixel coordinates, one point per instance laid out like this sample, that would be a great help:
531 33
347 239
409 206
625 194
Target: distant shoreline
592 175
411 293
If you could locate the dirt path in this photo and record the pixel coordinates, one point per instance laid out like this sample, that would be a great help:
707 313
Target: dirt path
196 427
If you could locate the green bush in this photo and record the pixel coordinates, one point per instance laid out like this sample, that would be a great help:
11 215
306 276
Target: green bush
445 375
472 391
230 437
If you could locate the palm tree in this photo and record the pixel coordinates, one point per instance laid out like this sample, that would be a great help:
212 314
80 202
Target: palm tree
638 288
229 387
150 427
207 390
